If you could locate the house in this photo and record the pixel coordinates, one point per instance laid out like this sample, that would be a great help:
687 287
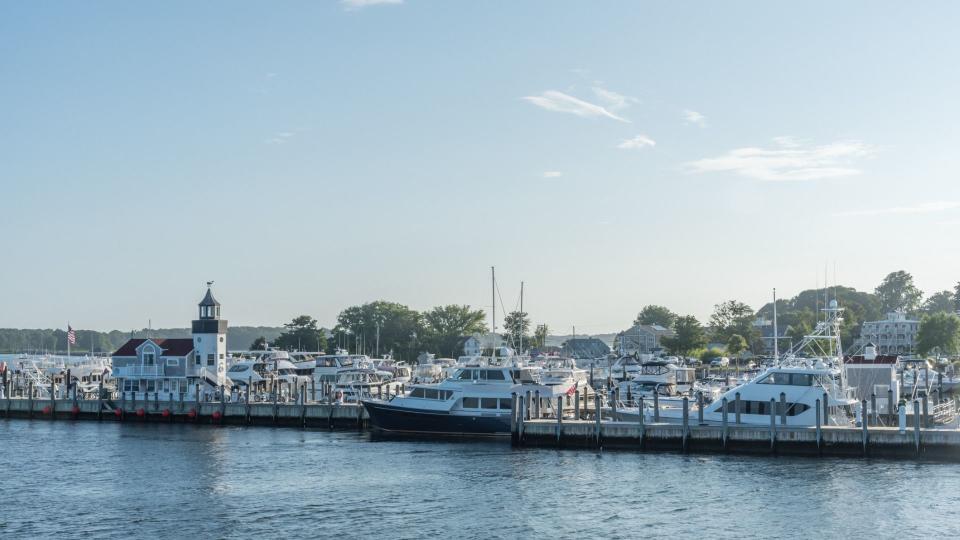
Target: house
176 368
896 334
585 348
765 326
641 338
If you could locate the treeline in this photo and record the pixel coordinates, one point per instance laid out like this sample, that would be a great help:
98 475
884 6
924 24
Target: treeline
13 340
732 323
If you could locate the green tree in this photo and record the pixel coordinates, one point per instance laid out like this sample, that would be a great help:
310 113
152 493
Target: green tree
940 301
517 325
444 326
259 344
733 318
736 345
302 334
956 296
540 336
897 292
399 328
654 314
688 336
939 332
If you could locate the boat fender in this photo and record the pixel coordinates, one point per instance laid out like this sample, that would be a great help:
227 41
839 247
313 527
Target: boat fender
192 413
46 410
216 415
141 413
165 413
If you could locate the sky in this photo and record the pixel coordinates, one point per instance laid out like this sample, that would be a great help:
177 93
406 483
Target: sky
309 156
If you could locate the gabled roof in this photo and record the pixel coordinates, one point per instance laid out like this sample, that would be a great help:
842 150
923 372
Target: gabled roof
209 300
168 347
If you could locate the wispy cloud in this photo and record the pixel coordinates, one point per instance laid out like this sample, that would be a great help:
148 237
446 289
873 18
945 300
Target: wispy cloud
921 208
279 138
613 100
637 143
359 4
789 160
553 100
693 117
552 174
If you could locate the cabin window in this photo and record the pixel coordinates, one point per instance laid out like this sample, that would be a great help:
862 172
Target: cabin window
489 403
763 408
466 375
505 403
430 393
494 375
417 393
471 403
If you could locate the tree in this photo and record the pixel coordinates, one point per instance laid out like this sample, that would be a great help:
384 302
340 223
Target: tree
389 326
733 317
517 325
688 336
939 332
540 336
942 301
897 292
654 314
444 326
301 334
956 296
259 344
736 345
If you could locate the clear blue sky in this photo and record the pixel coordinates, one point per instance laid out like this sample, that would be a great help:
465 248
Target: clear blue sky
313 155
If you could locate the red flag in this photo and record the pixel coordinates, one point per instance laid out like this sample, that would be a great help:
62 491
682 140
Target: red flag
71 335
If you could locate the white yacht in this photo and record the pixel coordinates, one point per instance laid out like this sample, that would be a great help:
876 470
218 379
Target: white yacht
663 377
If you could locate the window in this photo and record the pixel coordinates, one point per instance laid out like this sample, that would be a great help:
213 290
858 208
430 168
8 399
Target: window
149 356
494 375
196 359
221 339
430 393
151 385
221 356
505 403
417 393
471 403
466 375
166 385
173 362
210 360
488 403
237 368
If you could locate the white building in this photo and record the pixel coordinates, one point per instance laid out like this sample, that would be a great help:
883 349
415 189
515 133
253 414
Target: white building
641 338
157 368
896 334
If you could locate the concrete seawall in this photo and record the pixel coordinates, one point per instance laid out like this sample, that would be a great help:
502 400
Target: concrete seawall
884 442
321 415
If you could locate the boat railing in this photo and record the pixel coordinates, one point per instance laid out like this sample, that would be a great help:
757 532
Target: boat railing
945 413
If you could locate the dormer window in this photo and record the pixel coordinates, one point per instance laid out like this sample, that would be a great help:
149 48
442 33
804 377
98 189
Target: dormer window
149 356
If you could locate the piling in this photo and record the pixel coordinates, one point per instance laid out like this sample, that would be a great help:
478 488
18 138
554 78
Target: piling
656 405
614 400
916 426
874 415
890 412
723 405
521 417
826 410
643 427
819 430
513 418
700 408
783 409
53 400
686 421
99 400
156 400
737 409
313 389
576 404
596 414
773 424
536 405
926 412
559 417
864 421
30 400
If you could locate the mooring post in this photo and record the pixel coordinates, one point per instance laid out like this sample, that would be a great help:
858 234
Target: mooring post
783 409
123 403
723 405
559 417
656 405
596 414
890 412
30 401
576 404
276 395
522 417
874 414
773 423
826 410
223 404
613 402
100 399
513 418
156 400
313 389
536 405
864 421
53 400
686 422
182 394
819 431
700 408
303 406
736 410
926 412
916 425
642 420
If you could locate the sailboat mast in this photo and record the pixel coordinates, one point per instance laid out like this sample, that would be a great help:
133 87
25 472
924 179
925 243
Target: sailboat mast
776 335
493 311
520 351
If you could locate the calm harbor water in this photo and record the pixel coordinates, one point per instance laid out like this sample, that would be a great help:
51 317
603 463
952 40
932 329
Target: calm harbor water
73 479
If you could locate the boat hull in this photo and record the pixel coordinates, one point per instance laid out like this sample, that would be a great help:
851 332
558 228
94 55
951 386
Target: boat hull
392 419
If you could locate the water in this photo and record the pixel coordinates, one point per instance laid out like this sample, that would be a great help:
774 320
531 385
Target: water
93 480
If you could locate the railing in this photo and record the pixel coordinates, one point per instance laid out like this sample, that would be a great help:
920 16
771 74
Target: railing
138 371
944 413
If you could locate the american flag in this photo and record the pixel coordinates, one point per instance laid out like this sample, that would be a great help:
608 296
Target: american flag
71 335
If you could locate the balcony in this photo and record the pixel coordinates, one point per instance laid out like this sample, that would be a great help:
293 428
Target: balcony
127 372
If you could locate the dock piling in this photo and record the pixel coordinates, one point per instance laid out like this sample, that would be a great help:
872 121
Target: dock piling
700 408
864 421
513 418
643 426
926 412
656 406
723 405
737 409
597 415
559 417
916 425
819 431
773 424
99 400
783 409
874 414
826 410
891 415
686 422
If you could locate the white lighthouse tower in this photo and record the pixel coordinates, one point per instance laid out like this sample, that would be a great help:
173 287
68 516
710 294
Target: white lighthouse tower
210 341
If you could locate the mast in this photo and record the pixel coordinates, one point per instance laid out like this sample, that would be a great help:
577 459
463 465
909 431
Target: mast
520 349
493 312
776 335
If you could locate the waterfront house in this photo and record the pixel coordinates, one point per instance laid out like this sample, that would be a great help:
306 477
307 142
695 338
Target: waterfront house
157 368
585 348
896 334
641 338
